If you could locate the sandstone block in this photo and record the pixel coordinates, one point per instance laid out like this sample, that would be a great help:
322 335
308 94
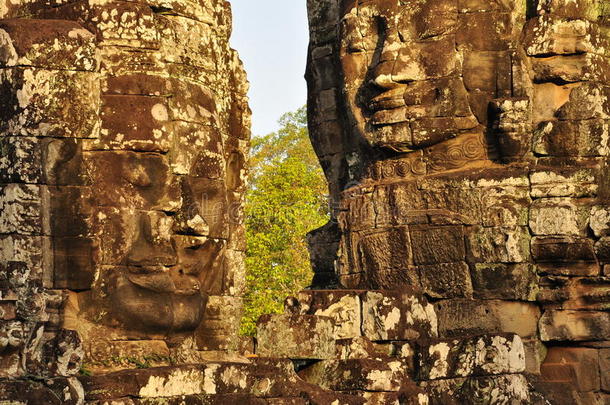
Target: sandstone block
569 8
104 355
359 213
491 66
448 205
572 68
21 209
64 391
26 250
211 381
559 216
587 94
476 356
433 245
498 245
602 249
73 266
535 352
575 293
220 325
356 348
587 138
604 368
114 23
459 317
134 123
63 216
296 336
20 160
578 366
210 164
600 220
343 306
505 281
141 180
190 45
557 325
446 280
565 255
391 315
41 110
549 35
512 388
563 183
562 249
385 257
512 125
50 44
480 33
358 374
505 206
473 6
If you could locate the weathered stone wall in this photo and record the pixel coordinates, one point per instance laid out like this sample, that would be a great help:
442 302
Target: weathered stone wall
124 131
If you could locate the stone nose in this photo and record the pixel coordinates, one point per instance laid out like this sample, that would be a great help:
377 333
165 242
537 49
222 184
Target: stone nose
383 75
189 218
398 64
152 246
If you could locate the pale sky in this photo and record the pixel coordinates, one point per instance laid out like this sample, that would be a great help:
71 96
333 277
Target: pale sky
271 38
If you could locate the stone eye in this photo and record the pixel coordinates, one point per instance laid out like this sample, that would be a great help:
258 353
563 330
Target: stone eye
356 46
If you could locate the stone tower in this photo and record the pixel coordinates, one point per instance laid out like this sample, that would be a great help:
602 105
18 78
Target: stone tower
124 131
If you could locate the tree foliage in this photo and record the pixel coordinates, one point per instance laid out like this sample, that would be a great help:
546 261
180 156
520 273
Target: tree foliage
286 199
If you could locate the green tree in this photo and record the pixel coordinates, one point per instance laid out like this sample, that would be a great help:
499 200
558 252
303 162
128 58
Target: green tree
285 200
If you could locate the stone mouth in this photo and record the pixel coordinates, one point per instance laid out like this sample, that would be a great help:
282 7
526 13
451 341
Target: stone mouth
386 101
389 107
389 116
163 282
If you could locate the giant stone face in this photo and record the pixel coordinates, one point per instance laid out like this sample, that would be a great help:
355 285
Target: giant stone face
127 125
402 73
466 147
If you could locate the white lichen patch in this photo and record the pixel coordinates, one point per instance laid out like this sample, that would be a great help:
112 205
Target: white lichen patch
159 112
8 54
234 377
423 399
381 380
440 353
178 382
600 220
346 314
392 320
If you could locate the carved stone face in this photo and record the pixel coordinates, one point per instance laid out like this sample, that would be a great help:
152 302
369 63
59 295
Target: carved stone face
402 72
159 222
144 201
499 114
124 136
152 237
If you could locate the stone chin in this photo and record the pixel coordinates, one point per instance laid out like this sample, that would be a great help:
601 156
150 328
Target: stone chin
152 304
